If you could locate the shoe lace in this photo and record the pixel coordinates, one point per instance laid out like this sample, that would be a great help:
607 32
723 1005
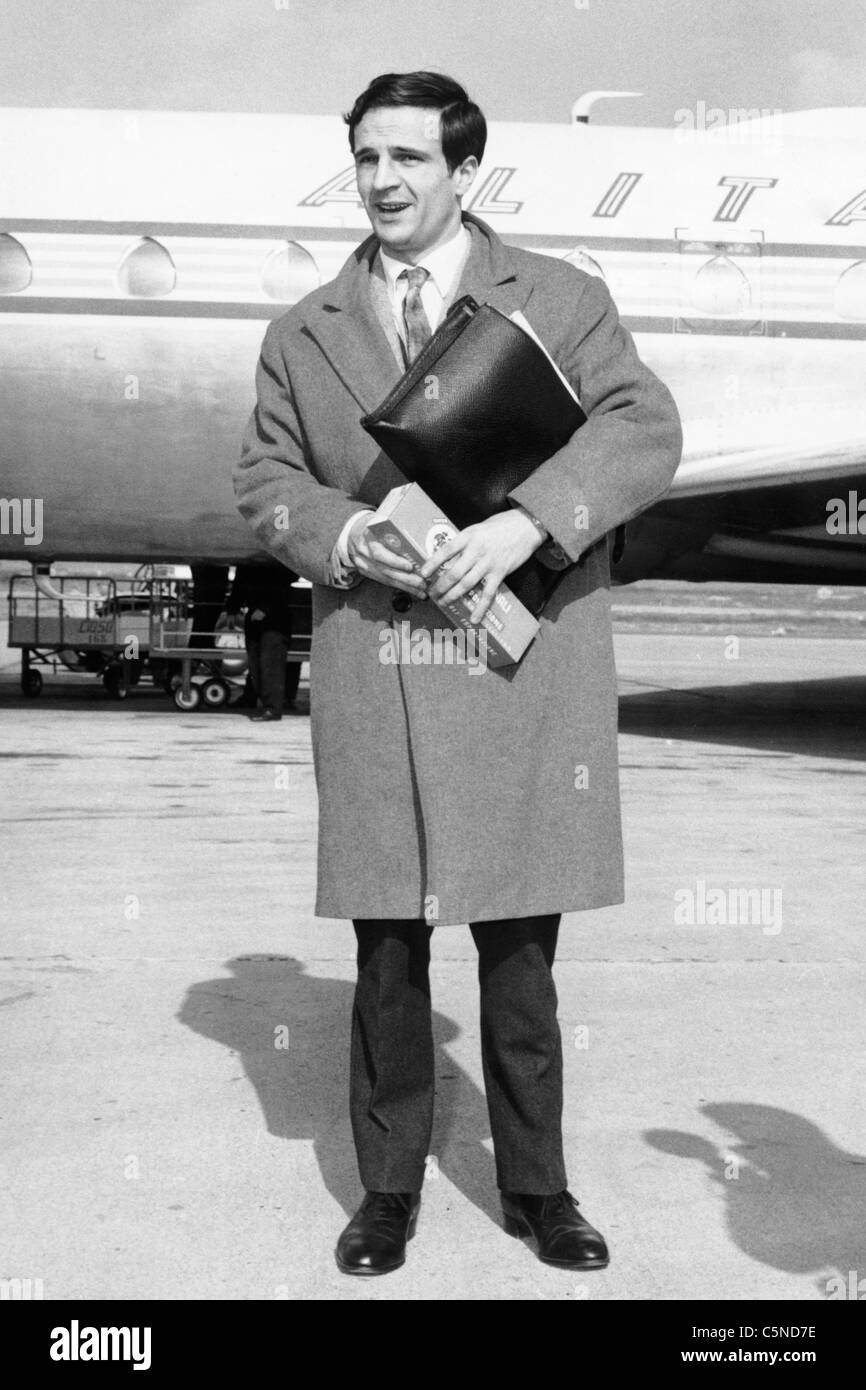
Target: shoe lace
560 1212
558 1204
388 1207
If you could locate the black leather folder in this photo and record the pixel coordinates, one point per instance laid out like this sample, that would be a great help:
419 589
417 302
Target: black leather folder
477 411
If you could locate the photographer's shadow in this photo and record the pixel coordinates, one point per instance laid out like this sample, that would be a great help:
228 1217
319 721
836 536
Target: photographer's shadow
291 1032
794 1200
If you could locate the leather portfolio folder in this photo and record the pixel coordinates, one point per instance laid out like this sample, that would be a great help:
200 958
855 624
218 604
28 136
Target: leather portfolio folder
478 410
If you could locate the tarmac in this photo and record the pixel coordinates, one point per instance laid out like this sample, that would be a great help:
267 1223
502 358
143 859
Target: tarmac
175 1020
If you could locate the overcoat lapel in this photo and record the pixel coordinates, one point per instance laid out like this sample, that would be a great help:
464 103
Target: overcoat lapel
382 307
348 330
490 275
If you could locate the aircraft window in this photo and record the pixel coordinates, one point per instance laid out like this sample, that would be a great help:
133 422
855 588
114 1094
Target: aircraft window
584 261
147 271
850 296
720 288
289 273
16 272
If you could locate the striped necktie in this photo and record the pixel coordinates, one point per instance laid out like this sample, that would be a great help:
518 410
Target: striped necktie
417 324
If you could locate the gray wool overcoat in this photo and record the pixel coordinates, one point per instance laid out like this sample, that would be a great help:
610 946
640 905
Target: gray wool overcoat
445 792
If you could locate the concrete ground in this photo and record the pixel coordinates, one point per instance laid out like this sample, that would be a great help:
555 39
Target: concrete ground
175 1020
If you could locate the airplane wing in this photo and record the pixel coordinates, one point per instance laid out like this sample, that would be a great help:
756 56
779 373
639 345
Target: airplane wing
769 466
772 513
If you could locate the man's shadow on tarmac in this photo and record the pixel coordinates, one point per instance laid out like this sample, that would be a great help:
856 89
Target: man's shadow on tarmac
793 1199
291 1032
822 718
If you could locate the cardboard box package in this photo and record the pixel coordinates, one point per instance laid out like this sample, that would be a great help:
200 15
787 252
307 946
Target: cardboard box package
409 523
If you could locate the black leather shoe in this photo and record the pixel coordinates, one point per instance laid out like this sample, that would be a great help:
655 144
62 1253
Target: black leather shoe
564 1237
266 716
374 1242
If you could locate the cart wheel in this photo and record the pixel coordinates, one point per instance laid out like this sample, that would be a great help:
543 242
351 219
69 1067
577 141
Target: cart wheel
31 684
112 679
215 694
187 703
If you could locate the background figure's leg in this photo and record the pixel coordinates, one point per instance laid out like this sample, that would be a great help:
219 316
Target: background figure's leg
252 641
391 1065
291 669
274 647
293 678
521 1051
209 588
249 699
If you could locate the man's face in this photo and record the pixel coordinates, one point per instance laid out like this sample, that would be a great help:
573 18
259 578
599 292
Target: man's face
410 197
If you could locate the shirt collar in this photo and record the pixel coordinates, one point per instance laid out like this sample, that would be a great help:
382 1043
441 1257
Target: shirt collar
442 264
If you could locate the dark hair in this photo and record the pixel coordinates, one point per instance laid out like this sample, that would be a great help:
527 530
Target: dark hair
462 126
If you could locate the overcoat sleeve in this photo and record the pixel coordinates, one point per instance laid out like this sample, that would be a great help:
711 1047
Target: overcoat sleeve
294 516
625 455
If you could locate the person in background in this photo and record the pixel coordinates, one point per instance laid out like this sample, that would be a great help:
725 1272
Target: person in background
209 587
264 591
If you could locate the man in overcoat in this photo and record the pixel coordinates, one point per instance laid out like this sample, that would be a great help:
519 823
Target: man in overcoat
447 795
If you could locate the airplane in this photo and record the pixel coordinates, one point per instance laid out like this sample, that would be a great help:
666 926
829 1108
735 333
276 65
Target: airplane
142 254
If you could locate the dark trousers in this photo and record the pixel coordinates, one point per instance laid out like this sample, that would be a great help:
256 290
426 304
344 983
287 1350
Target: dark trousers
392 1054
209 585
267 644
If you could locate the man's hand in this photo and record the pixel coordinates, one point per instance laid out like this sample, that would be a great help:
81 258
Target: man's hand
481 557
375 561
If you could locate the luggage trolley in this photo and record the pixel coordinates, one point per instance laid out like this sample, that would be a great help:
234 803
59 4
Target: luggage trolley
83 623
196 668
202 669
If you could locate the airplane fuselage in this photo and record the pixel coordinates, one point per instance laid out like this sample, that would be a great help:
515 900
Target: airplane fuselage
142 255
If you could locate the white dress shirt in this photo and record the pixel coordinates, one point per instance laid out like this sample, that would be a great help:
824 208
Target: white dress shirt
444 266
